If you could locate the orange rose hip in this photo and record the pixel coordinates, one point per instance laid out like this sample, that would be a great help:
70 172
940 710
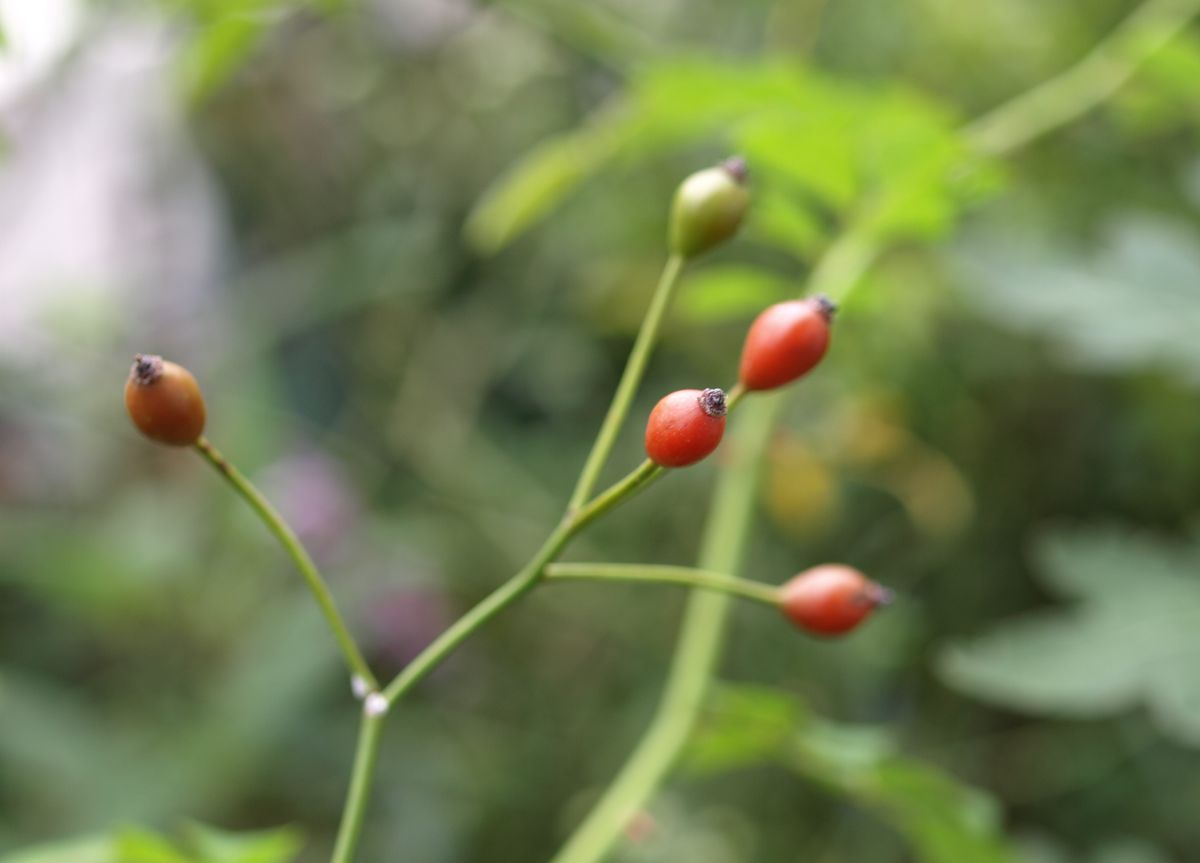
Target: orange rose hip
164 401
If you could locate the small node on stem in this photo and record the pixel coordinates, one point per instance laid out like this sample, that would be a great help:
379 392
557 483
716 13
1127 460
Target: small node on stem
359 686
375 704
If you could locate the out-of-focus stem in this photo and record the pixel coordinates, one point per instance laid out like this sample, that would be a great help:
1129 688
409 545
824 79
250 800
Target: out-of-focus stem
635 370
355 808
1086 84
291 544
684 576
726 533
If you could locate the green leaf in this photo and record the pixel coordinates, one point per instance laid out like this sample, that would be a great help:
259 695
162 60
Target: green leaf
202 844
749 725
135 845
835 142
779 220
267 846
1127 641
218 49
540 182
1129 851
811 152
84 849
723 293
943 820
1132 304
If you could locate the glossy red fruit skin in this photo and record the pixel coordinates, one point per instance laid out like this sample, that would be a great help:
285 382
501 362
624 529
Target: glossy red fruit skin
164 401
831 599
785 341
681 431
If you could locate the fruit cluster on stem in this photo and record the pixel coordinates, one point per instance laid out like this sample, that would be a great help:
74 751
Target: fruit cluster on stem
785 342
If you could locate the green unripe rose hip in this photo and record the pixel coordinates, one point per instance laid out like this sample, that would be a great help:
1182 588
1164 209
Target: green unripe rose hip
709 207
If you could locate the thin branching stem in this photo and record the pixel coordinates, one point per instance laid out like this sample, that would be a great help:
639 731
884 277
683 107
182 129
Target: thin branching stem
635 370
680 576
292 545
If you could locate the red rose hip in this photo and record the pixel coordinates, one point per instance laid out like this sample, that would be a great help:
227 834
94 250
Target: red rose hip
831 599
786 341
685 426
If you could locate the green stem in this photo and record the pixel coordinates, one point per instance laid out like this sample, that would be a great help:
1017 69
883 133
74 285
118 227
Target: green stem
726 534
355 809
684 576
1085 85
521 583
635 369
633 482
291 544
640 477
495 602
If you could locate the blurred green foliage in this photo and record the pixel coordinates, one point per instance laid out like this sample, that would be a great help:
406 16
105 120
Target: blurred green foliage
1131 638
437 225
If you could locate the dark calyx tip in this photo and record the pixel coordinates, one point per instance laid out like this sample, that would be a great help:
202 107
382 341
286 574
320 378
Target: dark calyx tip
827 307
878 595
736 167
712 402
147 368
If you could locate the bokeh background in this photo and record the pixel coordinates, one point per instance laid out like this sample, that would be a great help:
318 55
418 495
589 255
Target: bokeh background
404 244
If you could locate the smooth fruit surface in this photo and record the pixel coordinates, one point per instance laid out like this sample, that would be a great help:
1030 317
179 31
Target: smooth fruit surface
708 208
785 342
685 426
831 599
164 401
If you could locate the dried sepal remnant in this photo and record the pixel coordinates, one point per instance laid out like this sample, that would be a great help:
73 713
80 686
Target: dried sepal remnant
147 368
712 402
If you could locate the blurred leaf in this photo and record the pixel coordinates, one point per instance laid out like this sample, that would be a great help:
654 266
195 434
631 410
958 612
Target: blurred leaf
84 849
1163 95
267 846
748 725
1129 851
218 48
834 141
1133 304
135 845
1127 641
722 293
226 32
591 28
50 738
539 183
780 221
944 821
